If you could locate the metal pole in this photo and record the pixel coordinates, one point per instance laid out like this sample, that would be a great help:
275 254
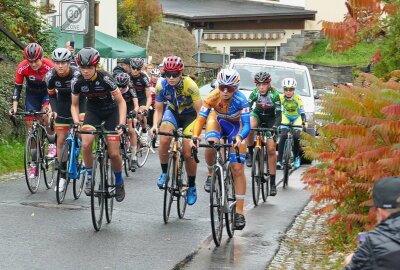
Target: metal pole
199 32
223 57
148 37
265 50
88 39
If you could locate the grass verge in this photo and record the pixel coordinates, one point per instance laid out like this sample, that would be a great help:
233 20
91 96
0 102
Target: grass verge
11 156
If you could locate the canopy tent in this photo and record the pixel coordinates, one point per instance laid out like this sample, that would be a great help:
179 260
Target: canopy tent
108 46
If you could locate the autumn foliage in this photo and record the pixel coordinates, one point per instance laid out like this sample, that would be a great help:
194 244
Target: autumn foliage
359 143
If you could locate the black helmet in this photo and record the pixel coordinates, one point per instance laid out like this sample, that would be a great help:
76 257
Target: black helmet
137 63
88 57
123 79
262 76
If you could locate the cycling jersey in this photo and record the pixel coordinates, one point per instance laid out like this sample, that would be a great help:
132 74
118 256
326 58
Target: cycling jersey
35 83
268 107
140 83
59 90
180 97
292 107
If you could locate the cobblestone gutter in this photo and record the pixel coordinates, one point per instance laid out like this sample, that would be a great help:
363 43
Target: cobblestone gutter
303 248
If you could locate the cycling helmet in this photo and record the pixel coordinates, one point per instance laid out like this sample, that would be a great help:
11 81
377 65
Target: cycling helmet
33 52
173 64
155 71
123 79
88 57
262 77
61 55
229 77
289 83
137 62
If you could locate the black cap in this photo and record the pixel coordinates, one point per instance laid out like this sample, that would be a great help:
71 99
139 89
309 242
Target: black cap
386 193
126 61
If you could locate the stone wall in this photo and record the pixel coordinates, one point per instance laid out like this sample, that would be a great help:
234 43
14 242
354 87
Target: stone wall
296 43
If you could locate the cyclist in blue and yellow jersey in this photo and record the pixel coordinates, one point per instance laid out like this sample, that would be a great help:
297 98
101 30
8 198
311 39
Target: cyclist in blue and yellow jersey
104 103
293 112
267 111
230 117
184 103
58 81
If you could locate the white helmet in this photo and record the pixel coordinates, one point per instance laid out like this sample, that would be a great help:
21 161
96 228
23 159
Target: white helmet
289 83
61 55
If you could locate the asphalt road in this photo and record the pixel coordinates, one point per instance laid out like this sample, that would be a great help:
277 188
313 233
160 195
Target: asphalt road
37 233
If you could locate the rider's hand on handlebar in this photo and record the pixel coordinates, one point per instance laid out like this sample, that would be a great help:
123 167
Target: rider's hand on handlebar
11 112
194 143
154 131
121 128
238 142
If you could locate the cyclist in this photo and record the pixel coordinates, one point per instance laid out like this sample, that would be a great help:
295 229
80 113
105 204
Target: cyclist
230 117
184 103
129 94
104 103
124 66
293 112
267 111
34 68
141 83
58 81
70 45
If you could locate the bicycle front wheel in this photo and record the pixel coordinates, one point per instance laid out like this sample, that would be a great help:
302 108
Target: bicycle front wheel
169 189
80 181
286 162
216 206
143 150
97 192
63 172
231 198
256 174
110 188
125 153
48 163
265 182
32 163
182 188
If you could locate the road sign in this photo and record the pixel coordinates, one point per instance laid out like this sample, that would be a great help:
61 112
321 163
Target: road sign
74 17
217 58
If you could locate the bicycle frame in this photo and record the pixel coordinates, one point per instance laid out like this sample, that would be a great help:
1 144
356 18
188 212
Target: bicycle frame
75 150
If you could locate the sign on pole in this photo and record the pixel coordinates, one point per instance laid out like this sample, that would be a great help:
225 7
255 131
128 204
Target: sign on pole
217 58
74 17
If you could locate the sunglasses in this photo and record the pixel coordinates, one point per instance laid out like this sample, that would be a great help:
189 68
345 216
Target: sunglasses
138 69
227 88
288 89
172 74
33 61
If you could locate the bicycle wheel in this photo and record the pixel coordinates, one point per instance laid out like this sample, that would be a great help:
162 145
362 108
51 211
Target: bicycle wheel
256 174
48 163
125 153
265 182
286 162
169 189
230 195
80 181
63 172
143 150
182 187
110 187
32 159
216 206
97 192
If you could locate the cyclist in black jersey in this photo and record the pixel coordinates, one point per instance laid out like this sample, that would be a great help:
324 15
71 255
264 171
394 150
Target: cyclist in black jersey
104 103
141 83
124 66
58 81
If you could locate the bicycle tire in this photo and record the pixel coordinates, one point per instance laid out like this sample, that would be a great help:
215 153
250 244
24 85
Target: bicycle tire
33 184
256 175
143 151
183 185
230 195
80 181
97 194
109 185
265 183
63 168
169 188
286 162
47 164
124 153
216 206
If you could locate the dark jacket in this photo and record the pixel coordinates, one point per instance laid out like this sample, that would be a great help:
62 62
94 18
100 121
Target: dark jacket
381 249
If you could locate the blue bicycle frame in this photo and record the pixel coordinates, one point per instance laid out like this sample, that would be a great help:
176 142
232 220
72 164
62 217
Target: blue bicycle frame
75 143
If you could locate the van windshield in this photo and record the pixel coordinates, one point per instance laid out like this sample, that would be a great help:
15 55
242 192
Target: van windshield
247 72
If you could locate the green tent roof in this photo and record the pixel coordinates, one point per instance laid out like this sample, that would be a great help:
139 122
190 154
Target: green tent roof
108 46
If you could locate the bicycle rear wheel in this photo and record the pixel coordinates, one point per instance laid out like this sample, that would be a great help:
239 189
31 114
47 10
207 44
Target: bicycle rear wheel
231 198
216 206
256 174
169 189
48 163
125 153
183 185
63 172
32 158
286 163
97 192
265 183
143 150
80 181
110 187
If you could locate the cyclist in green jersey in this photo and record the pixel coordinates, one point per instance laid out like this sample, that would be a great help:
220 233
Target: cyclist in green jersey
267 111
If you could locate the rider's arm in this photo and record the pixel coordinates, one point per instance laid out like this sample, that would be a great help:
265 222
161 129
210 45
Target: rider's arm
75 107
53 99
301 110
208 104
245 118
158 114
121 105
148 98
278 110
19 80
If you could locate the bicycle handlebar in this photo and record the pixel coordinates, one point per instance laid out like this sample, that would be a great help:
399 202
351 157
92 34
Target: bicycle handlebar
30 113
291 126
175 134
264 129
99 130
237 152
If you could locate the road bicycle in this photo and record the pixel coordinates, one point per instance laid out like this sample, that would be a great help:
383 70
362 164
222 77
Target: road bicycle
143 146
287 156
71 166
260 177
36 145
125 144
176 185
222 192
103 181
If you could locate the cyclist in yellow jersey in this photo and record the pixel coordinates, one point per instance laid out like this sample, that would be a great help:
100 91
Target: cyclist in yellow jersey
184 103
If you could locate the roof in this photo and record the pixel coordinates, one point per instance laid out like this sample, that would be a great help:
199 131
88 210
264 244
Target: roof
209 9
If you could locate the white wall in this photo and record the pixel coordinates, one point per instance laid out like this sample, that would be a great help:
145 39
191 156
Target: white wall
333 11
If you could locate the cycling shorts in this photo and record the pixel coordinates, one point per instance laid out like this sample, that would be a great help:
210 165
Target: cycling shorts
295 120
217 127
267 120
184 121
95 118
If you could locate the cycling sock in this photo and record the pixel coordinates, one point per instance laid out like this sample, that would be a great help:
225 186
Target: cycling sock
89 173
144 130
272 177
251 148
34 153
51 138
118 178
192 181
164 167
239 204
